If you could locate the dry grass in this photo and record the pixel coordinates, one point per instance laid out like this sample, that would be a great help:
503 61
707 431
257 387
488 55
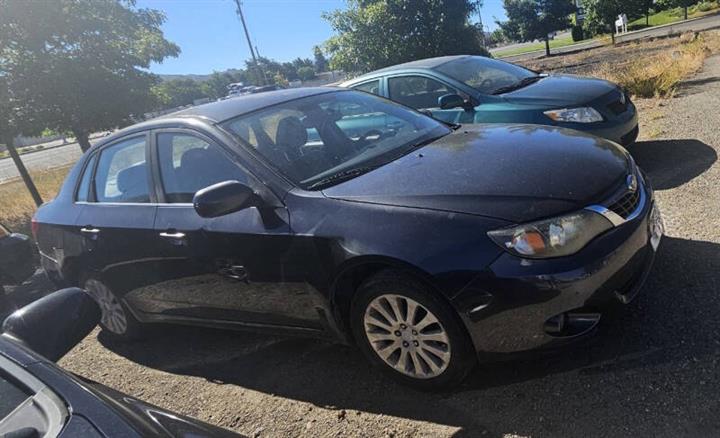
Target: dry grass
659 75
16 204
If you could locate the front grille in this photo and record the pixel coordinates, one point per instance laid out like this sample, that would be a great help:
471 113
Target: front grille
626 204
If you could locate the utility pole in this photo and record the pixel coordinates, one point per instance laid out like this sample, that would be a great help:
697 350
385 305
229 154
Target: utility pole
247 36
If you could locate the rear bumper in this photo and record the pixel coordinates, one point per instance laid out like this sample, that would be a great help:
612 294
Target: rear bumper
17 258
507 309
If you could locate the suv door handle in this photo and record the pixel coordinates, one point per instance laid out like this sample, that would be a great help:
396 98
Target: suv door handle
89 230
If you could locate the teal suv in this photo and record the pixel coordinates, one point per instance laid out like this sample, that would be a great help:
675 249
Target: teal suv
473 89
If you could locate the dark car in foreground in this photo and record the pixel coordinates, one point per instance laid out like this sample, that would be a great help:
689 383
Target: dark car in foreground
39 399
335 213
474 89
17 260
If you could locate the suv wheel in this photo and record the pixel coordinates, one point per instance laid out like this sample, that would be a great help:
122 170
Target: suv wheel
116 318
412 334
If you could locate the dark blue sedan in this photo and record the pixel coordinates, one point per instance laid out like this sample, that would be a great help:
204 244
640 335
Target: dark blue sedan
474 89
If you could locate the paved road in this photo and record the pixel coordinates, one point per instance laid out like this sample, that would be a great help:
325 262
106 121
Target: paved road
695 24
45 159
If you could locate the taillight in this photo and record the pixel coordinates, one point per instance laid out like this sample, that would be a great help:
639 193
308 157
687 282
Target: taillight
35 226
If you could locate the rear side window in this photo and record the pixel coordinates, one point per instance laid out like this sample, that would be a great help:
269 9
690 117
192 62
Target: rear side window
189 163
83 193
418 92
369 87
122 173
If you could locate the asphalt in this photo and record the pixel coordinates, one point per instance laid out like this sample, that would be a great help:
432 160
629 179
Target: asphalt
651 370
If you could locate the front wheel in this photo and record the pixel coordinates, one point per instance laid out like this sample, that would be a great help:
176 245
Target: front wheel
116 318
411 333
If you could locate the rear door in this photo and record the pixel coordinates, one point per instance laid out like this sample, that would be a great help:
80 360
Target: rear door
235 268
117 220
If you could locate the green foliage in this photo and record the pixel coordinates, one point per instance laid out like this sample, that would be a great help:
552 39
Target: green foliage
179 92
80 65
372 34
497 36
530 20
320 61
306 73
600 15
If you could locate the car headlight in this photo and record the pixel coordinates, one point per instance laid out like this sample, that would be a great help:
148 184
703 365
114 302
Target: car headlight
555 237
576 115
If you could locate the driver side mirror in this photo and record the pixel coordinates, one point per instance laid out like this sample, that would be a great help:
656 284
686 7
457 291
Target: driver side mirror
450 101
223 198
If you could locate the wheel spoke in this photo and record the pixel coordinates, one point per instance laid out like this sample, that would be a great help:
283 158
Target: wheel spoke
391 332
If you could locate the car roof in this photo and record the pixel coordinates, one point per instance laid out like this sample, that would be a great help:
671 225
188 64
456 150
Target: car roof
427 63
247 103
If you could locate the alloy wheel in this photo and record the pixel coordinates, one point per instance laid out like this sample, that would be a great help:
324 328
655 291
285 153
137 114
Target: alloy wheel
407 336
113 315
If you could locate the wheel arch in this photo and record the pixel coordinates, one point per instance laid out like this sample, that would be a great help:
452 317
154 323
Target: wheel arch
354 272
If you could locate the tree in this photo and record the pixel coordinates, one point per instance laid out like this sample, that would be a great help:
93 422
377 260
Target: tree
320 61
179 92
600 15
306 73
530 20
371 34
86 60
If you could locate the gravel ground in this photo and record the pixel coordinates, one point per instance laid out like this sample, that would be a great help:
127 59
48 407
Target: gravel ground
652 370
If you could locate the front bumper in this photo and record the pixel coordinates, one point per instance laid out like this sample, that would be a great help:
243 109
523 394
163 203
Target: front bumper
17 258
506 309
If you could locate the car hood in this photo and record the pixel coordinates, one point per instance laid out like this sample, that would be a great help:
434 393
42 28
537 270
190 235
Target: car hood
516 173
561 91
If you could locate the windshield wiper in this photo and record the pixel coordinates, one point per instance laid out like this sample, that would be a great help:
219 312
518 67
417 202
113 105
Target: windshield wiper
522 83
340 177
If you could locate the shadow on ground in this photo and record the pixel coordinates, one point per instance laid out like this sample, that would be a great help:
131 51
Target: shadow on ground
651 369
672 163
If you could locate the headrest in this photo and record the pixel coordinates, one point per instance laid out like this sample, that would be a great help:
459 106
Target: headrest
291 133
132 177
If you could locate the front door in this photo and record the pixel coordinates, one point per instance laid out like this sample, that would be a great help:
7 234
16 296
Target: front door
422 93
234 268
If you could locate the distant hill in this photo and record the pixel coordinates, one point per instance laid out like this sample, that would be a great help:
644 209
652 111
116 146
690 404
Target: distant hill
200 78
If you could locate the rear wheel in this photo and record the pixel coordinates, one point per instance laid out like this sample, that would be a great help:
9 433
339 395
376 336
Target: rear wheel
116 318
411 333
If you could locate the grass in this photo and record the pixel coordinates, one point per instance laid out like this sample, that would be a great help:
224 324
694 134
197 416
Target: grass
676 14
17 204
554 44
660 74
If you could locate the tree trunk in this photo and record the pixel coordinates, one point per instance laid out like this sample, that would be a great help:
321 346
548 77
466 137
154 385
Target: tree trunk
547 46
686 8
83 139
9 143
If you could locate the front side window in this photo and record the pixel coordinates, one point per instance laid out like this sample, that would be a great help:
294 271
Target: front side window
369 87
418 92
12 395
484 74
122 174
332 134
189 163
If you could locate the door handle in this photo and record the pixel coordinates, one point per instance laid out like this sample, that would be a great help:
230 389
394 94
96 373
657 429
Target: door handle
89 230
176 235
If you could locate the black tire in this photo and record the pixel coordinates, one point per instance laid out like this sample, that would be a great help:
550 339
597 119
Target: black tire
112 325
461 353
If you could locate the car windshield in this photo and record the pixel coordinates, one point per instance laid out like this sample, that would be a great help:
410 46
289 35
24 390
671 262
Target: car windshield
319 140
486 75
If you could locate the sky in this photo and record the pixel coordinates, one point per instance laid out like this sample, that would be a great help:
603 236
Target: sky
211 38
